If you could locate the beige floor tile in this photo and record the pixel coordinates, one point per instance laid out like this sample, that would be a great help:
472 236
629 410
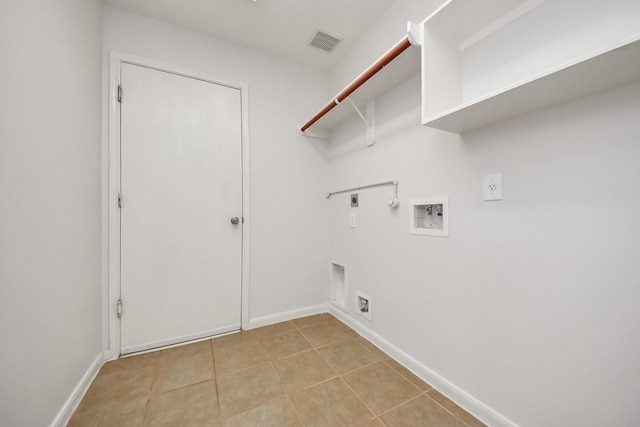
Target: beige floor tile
407 374
330 404
195 405
372 423
276 413
420 412
186 350
246 389
466 417
285 343
183 371
277 328
303 370
132 362
311 320
323 333
380 387
232 340
122 414
120 386
248 371
371 347
346 355
341 325
241 356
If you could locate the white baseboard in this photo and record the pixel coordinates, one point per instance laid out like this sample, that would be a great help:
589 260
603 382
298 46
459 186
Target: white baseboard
73 401
287 315
457 395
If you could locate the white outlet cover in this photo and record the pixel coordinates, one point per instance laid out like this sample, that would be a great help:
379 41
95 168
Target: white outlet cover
492 186
352 220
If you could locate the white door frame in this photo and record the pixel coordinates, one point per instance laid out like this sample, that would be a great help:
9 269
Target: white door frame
116 59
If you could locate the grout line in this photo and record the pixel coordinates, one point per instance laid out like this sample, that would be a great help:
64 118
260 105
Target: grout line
400 404
357 395
406 378
268 362
295 354
447 410
233 414
215 380
153 382
313 385
295 408
244 369
180 388
360 367
340 377
287 393
327 362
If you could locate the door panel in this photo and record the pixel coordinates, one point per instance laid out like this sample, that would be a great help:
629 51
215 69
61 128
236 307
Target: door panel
181 180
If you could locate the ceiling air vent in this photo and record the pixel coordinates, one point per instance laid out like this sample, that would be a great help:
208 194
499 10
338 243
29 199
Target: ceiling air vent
324 40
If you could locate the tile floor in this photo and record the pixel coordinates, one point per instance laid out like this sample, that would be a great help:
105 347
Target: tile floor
312 371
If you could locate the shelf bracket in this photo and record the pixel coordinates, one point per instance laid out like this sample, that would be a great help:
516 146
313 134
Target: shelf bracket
368 120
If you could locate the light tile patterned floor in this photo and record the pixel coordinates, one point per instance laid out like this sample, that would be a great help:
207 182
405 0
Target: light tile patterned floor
313 371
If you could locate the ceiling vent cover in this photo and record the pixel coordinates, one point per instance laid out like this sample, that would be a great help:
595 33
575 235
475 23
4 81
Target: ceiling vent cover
324 40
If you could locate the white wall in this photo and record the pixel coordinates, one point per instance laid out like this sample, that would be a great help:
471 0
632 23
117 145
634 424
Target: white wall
50 206
530 307
289 239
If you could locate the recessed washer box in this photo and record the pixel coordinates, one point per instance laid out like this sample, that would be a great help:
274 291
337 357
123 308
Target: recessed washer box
429 216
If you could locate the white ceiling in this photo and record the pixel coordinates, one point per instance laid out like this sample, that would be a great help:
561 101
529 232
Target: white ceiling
280 27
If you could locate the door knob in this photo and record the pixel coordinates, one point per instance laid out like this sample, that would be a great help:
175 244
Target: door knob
235 220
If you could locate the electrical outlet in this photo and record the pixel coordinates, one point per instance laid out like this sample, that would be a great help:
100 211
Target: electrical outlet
354 200
492 186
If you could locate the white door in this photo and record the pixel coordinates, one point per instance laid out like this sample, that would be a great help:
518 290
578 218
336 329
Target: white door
181 185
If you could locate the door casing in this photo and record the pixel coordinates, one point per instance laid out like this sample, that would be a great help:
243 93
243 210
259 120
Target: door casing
111 188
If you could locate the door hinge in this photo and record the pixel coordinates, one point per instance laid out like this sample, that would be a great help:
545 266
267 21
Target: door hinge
119 200
119 93
119 308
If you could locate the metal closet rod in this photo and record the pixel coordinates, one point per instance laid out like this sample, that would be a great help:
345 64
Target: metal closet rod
392 54
367 186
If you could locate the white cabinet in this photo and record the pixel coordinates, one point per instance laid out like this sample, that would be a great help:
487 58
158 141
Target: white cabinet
487 61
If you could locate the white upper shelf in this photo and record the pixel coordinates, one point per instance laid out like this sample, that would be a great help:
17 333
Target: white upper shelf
468 20
483 63
600 71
